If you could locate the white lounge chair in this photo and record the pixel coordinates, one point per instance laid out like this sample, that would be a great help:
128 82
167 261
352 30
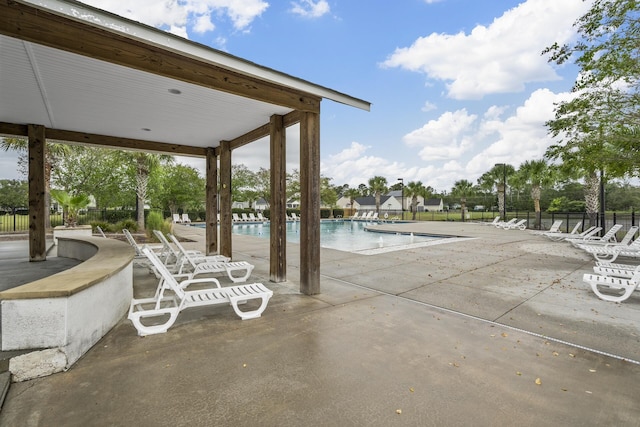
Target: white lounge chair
100 232
176 218
156 248
211 264
608 237
562 236
520 225
235 217
245 218
172 257
611 288
355 215
494 222
145 313
294 216
609 253
374 216
252 217
185 218
625 241
503 224
262 218
555 228
558 235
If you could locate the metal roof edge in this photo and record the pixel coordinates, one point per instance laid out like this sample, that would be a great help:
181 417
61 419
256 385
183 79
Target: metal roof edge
148 34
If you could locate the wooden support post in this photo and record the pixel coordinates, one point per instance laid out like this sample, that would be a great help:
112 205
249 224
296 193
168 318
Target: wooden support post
211 205
226 222
310 203
37 211
278 202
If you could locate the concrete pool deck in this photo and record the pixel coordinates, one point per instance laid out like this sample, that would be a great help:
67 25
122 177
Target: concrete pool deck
497 330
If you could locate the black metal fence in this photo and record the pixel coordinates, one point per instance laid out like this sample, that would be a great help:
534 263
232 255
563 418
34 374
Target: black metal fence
20 221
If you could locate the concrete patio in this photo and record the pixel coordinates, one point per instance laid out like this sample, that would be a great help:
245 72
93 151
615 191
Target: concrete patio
495 330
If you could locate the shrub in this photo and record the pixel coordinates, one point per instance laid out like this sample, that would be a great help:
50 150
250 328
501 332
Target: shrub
155 221
129 224
106 227
113 216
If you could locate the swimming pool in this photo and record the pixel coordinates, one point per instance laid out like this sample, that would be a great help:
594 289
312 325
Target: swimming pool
349 236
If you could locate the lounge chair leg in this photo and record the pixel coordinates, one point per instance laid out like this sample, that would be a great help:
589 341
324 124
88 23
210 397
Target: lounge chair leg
240 278
253 314
143 330
627 291
241 294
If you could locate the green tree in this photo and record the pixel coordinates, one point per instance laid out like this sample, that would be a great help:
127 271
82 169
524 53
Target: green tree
182 188
538 174
243 184
596 128
14 194
141 167
378 187
352 194
52 153
494 180
96 171
263 184
462 189
328 195
607 97
414 189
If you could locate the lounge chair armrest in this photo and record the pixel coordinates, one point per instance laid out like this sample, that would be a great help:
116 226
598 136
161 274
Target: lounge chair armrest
185 283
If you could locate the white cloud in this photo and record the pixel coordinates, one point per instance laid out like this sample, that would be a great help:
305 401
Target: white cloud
522 136
499 58
176 16
429 106
443 138
444 145
203 24
310 8
353 167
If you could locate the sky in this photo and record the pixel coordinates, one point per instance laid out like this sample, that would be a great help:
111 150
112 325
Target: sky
456 86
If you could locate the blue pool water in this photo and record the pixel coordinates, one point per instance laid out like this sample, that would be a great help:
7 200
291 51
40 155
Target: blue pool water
347 235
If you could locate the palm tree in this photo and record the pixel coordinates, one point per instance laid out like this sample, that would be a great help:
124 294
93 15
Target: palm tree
378 186
414 189
352 194
462 188
144 164
538 174
52 152
494 179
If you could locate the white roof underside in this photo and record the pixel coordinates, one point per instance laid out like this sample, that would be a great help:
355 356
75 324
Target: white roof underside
62 90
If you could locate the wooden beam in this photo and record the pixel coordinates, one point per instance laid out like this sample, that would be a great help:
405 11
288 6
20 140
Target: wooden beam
12 129
38 25
310 203
37 242
211 204
278 202
125 143
106 141
226 222
263 131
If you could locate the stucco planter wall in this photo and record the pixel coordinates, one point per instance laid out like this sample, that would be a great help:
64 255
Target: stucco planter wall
77 231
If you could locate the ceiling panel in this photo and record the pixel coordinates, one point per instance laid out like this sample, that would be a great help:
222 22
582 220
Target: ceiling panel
61 90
